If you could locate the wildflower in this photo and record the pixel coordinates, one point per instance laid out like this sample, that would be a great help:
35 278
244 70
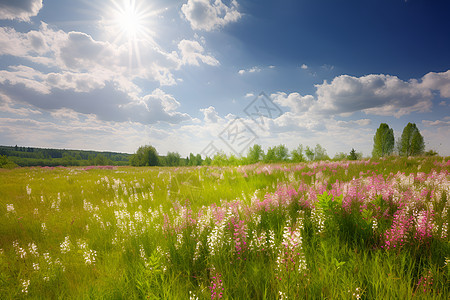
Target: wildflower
25 283
90 256
192 296
28 190
10 208
32 248
65 246
43 228
19 250
36 266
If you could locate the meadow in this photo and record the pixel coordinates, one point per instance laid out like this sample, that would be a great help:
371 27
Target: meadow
367 229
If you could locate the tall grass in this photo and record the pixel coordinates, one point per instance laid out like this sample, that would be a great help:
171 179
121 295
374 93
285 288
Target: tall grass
337 230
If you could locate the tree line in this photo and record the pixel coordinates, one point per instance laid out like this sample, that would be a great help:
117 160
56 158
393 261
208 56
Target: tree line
30 156
411 143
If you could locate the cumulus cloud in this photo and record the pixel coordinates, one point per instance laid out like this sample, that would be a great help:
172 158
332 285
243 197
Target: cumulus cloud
438 81
104 101
304 67
296 102
20 10
192 54
209 15
373 94
210 114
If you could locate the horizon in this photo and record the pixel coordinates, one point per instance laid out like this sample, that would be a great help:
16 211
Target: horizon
201 76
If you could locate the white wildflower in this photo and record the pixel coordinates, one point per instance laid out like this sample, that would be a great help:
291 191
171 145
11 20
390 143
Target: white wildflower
65 246
10 208
25 283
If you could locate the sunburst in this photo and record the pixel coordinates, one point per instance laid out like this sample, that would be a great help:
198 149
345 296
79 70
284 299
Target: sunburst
133 22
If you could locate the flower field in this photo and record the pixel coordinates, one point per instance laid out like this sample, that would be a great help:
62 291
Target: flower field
369 229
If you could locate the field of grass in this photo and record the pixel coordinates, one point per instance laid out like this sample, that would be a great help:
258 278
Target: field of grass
371 229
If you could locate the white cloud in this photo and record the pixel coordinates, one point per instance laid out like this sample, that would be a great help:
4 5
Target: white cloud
249 95
191 53
296 102
20 10
438 81
304 67
373 94
437 123
210 114
251 70
207 15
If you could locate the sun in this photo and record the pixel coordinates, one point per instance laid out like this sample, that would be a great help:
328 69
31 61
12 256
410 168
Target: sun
130 20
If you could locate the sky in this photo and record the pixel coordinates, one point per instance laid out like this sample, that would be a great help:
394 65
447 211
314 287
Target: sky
203 76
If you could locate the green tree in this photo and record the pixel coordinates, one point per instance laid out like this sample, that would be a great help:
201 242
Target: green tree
145 156
271 155
411 142
352 155
309 153
173 159
255 154
297 154
383 141
281 153
6 163
320 153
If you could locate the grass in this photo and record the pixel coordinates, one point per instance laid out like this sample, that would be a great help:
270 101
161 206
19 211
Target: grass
336 230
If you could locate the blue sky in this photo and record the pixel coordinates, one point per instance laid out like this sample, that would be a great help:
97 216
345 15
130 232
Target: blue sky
182 75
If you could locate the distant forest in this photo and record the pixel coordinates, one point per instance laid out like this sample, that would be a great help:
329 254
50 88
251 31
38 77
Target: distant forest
29 156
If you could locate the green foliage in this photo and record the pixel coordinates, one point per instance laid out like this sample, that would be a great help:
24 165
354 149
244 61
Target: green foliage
5 163
354 155
28 156
411 142
173 159
430 153
383 141
255 154
297 154
309 152
145 156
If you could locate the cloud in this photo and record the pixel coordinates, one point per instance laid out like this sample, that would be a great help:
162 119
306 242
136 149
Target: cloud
296 102
191 54
205 15
372 94
210 114
438 81
20 10
304 67
251 70
445 122
105 101
78 52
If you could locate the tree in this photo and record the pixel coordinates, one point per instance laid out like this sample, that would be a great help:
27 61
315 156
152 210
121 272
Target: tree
320 153
297 154
411 142
281 153
255 154
270 155
145 156
173 159
352 155
309 153
383 141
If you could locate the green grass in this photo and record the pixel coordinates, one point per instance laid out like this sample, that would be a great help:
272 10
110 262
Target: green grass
171 233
